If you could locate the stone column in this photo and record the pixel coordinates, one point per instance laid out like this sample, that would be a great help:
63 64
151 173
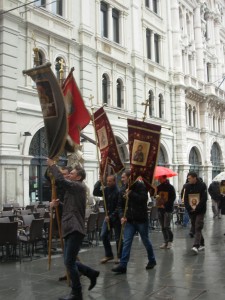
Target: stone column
198 43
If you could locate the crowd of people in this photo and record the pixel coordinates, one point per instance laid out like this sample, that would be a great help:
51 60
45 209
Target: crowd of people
127 214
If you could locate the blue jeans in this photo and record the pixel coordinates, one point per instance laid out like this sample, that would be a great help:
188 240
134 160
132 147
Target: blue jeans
72 246
105 236
129 232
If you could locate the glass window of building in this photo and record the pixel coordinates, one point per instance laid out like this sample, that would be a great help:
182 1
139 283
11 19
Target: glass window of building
155 6
194 116
161 104
57 7
215 159
151 103
119 92
148 43
156 46
104 20
115 16
194 160
147 3
104 89
41 3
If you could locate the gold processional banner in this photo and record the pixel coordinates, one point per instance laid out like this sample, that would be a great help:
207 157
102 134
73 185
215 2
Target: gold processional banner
144 143
107 144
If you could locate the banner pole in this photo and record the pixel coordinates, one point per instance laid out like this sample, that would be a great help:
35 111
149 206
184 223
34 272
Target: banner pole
97 149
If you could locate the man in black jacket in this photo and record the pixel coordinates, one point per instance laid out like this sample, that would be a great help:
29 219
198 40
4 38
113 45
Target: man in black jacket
167 191
111 193
195 199
73 225
135 220
214 192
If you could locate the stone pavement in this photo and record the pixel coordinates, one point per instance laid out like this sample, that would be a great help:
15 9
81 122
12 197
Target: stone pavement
178 274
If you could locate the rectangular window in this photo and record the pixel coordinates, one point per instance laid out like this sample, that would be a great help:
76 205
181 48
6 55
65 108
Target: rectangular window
57 7
115 16
156 46
148 43
104 20
147 4
41 3
154 6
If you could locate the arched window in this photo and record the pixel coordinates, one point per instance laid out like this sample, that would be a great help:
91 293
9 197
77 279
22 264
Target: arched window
161 106
219 128
188 26
104 89
161 158
215 159
194 116
186 113
189 115
41 57
151 103
194 160
119 93
214 124
39 186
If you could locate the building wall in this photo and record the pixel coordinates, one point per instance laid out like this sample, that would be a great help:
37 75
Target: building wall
189 72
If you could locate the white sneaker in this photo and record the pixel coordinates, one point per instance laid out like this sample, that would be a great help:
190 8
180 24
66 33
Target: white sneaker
169 245
194 250
201 248
163 246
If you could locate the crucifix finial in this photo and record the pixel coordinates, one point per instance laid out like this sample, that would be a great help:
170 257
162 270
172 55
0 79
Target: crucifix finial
146 104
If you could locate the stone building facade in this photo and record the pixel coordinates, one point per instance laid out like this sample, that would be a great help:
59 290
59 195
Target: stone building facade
124 52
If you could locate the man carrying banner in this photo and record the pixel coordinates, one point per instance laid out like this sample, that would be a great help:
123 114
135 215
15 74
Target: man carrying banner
167 195
112 217
73 226
135 220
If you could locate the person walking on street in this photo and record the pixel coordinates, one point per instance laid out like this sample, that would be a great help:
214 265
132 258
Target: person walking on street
214 192
73 226
195 200
135 220
166 210
111 193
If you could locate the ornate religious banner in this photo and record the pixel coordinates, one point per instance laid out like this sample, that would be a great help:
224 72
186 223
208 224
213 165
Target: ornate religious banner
53 107
107 144
144 143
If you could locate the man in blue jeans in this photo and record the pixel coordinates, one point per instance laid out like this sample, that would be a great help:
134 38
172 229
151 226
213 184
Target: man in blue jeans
73 226
111 193
135 220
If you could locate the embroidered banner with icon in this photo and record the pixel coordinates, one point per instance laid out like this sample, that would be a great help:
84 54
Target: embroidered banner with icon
53 107
144 143
110 158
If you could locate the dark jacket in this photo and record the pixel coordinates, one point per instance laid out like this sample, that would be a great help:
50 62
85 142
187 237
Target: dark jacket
73 216
137 203
197 188
167 187
214 190
111 198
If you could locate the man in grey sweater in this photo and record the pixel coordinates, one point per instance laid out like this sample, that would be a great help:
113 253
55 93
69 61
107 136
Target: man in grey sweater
73 226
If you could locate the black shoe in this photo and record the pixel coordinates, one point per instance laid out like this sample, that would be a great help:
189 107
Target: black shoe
93 280
63 278
191 234
150 265
119 269
74 295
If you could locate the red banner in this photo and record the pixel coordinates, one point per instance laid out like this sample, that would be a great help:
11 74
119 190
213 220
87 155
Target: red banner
144 144
107 144
78 115
53 107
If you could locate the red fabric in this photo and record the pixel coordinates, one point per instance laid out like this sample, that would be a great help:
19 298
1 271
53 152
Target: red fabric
162 171
107 144
144 143
77 113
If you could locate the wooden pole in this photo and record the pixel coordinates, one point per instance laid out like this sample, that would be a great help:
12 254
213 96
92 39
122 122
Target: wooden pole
101 175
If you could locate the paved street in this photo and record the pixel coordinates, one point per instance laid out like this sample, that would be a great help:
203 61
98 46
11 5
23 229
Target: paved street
178 274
